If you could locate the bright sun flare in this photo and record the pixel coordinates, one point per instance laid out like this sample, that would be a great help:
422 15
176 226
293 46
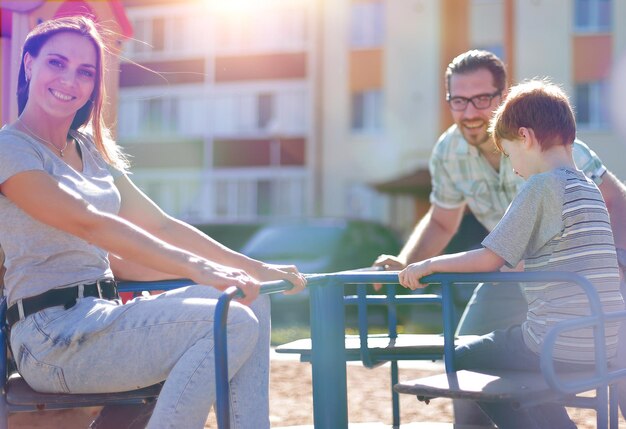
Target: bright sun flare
234 7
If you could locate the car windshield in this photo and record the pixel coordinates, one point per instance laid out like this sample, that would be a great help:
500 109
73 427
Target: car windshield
297 241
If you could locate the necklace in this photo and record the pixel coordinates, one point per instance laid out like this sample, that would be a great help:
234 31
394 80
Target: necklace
33 134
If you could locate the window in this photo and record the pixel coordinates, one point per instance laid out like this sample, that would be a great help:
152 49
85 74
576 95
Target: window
175 34
149 35
291 111
158 34
367 24
591 109
592 15
254 197
367 111
265 111
142 36
264 193
275 112
274 28
234 113
187 34
159 115
127 118
186 115
280 29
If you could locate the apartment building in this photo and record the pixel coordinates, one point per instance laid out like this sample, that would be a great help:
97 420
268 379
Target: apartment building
216 107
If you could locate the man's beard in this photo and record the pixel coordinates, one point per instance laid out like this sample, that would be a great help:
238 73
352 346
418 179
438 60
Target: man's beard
476 139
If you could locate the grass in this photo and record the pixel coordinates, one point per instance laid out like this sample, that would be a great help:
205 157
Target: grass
290 321
285 334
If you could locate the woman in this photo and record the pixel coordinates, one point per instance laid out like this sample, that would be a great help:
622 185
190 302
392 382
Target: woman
66 202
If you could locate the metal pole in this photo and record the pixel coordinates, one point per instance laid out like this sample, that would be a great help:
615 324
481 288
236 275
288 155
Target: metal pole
328 355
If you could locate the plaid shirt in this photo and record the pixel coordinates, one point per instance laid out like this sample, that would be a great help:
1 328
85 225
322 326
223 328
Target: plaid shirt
460 175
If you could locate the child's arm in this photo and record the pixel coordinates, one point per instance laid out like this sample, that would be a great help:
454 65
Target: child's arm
480 260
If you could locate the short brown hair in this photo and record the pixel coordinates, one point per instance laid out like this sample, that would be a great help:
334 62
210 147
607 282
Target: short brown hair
539 105
474 60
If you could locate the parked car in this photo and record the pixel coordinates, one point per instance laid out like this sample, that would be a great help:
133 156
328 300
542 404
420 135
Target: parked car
318 245
231 234
322 245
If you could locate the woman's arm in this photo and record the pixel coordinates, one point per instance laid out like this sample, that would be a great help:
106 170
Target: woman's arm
139 209
473 261
44 199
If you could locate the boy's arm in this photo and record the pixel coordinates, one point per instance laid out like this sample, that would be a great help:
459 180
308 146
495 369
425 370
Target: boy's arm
473 261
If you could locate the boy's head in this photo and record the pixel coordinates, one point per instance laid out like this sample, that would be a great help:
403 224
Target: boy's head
540 106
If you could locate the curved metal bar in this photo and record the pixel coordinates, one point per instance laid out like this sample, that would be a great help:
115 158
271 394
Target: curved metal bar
222 387
4 411
529 277
603 375
547 356
596 320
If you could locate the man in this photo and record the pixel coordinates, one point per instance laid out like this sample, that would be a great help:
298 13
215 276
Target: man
467 171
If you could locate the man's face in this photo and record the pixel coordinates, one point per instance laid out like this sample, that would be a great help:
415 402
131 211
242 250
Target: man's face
473 122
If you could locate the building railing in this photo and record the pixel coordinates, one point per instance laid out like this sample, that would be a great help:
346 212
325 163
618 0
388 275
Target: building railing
227 195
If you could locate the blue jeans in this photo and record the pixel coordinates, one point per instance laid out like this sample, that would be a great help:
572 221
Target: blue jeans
491 307
505 349
103 346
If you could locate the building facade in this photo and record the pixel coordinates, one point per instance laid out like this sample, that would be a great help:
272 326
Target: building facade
216 107
292 108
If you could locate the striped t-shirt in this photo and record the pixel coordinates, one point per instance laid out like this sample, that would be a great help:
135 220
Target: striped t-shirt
559 222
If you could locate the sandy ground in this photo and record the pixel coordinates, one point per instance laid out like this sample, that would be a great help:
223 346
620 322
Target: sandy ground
369 397
369 400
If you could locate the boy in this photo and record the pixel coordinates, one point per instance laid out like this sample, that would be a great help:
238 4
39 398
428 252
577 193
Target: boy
558 222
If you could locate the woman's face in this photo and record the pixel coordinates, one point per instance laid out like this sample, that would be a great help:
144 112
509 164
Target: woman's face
62 76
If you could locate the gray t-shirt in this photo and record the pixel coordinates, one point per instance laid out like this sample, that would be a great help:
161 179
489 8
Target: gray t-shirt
40 257
559 222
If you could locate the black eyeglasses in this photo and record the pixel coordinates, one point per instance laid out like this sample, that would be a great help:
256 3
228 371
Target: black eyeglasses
480 101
